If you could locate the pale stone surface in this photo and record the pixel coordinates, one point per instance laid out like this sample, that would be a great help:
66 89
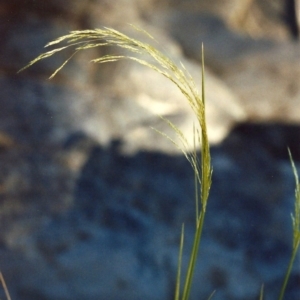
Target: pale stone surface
267 84
263 74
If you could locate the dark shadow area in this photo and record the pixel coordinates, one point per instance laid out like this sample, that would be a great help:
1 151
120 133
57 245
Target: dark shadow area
133 206
274 138
152 184
249 208
291 17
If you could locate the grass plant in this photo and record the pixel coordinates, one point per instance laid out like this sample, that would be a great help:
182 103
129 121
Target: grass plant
200 163
3 283
296 228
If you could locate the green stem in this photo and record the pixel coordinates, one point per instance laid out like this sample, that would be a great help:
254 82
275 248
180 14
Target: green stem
178 279
193 258
261 294
289 269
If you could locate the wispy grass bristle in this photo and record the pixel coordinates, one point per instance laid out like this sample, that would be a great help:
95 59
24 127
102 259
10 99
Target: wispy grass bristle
148 56
87 39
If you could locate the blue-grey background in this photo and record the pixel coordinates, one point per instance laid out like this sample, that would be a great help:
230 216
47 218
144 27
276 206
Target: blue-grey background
92 200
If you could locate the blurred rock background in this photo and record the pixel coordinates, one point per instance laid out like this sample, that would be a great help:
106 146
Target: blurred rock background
92 200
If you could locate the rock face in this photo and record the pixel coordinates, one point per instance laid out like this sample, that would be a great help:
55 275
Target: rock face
92 200
276 19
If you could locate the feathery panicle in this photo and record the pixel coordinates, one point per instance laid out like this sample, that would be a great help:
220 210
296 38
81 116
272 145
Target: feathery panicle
87 39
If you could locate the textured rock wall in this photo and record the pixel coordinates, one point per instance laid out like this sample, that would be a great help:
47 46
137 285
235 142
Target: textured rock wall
92 201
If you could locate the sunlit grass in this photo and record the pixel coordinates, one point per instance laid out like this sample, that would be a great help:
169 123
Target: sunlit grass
87 39
201 164
296 228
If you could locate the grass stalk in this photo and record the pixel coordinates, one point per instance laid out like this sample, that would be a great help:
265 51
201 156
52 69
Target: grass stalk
296 229
178 279
288 272
87 39
193 258
205 184
7 295
178 75
261 294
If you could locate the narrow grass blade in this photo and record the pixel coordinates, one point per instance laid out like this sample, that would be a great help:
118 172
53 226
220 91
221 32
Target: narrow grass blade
296 229
178 279
211 295
205 182
261 294
4 287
